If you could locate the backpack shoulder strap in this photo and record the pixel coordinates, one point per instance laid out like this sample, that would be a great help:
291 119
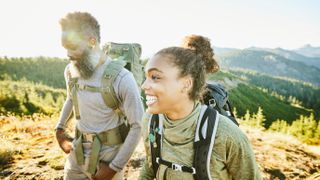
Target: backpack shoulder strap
110 74
155 141
204 141
72 90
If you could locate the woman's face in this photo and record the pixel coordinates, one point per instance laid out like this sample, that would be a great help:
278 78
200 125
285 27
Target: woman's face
165 90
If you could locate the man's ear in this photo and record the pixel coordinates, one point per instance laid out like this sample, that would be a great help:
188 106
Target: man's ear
92 42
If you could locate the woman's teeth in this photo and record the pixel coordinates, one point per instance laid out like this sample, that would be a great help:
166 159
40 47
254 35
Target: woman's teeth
151 99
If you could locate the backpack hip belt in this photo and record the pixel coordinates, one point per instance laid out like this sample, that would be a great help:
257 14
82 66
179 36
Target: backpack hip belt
108 138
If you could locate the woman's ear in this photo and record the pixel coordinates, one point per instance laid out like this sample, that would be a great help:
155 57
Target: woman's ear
187 83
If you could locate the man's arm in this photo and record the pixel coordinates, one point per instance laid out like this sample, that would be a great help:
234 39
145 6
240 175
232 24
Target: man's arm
133 109
65 115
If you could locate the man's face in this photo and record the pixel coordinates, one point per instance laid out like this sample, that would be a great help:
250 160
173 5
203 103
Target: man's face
78 51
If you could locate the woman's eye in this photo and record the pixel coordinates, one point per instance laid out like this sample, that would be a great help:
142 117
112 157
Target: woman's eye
155 77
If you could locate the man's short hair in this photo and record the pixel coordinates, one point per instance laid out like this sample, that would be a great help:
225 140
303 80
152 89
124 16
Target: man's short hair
81 22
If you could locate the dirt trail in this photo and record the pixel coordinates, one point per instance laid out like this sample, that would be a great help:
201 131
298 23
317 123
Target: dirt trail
36 155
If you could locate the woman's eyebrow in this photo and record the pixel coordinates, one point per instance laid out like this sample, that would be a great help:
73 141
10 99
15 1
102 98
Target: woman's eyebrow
154 69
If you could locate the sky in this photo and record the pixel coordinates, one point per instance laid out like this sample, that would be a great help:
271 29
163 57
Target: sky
31 28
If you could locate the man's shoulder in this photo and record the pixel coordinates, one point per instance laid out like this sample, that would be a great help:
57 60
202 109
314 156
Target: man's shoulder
124 72
67 73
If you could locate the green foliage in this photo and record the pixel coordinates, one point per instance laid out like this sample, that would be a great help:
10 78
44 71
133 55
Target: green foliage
279 126
293 92
255 120
249 98
235 112
306 129
42 70
221 75
23 97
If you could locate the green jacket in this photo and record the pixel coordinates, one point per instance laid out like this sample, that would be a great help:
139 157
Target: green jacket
232 156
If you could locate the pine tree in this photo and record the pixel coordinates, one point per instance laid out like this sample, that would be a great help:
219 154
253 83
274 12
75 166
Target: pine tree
235 113
247 118
279 126
259 119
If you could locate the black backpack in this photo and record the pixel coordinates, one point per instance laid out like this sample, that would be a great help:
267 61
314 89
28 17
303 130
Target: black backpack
216 98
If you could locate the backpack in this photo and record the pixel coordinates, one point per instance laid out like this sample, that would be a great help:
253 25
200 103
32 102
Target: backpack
217 97
130 53
215 102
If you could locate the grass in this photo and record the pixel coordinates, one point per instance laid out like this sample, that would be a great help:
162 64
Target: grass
7 152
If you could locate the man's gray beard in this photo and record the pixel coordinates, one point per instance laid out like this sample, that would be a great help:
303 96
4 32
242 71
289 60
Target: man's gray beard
84 66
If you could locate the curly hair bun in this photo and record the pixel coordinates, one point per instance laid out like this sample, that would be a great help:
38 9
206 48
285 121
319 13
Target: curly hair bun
202 47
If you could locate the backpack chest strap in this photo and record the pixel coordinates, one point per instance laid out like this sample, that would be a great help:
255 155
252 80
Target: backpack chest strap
108 94
175 166
206 130
84 87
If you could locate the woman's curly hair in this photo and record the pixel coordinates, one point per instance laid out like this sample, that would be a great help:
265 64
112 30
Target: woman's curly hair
194 59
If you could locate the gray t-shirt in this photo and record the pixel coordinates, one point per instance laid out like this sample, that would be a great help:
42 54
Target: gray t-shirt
96 117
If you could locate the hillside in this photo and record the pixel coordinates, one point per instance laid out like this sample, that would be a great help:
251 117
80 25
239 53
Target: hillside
309 51
271 64
245 95
292 55
290 91
44 70
25 97
29 151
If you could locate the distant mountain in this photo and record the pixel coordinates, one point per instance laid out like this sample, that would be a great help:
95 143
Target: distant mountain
309 51
220 51
272 64
291 55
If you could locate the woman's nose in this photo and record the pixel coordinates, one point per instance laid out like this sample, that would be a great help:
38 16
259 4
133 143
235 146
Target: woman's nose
145 85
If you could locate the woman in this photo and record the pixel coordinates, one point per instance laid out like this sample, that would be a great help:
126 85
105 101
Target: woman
175 80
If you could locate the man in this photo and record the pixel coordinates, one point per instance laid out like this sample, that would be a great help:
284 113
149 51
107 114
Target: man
96 152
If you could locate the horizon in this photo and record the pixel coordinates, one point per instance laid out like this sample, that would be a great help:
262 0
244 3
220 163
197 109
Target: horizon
3 56
34 32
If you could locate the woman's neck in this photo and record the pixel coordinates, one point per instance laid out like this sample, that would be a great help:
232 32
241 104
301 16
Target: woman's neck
181 112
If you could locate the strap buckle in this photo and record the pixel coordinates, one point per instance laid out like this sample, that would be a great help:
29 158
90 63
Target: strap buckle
176 167
88 137
193 170
212 102
81 86
105 89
